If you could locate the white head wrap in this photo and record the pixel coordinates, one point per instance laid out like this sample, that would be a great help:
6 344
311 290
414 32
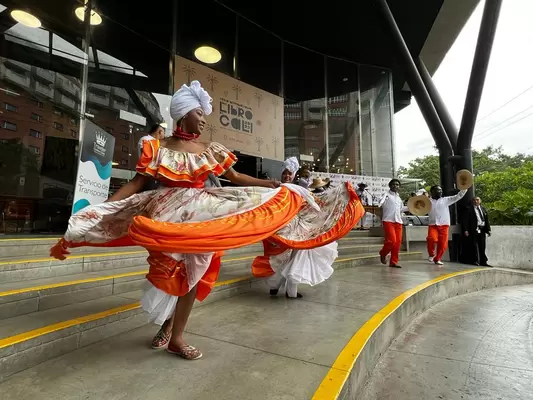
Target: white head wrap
291 164
189 98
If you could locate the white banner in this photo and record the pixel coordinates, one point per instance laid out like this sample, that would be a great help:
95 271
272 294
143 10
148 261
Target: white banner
376 186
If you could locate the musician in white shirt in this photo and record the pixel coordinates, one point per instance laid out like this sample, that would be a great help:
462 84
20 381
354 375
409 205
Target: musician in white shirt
392 208
439 223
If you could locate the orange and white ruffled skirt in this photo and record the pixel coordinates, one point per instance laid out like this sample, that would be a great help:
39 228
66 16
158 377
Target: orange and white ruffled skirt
186 230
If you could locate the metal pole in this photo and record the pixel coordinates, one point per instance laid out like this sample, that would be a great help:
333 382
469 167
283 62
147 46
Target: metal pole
391 116
173 47
438 103
85 69
360 121
485 39
84 78
413 77
326 119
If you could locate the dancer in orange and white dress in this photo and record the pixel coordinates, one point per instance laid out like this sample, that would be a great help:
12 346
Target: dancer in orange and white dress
186 227
294 267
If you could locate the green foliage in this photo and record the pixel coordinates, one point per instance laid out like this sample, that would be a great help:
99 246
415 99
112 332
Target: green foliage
503 182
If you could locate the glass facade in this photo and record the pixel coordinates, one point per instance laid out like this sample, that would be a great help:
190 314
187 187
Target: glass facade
337 114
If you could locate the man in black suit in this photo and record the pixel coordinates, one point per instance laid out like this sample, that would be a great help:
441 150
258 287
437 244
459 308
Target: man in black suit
476 226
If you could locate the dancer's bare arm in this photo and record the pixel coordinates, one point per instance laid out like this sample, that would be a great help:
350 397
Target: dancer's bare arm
247 180
130 188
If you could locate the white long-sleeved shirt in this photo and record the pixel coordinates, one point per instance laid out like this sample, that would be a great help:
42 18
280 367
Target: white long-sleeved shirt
440 212
392 206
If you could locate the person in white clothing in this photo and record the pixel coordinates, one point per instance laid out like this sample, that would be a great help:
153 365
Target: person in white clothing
293 267
392 208
156 133
439 223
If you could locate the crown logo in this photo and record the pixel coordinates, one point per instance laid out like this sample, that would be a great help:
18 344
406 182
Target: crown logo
100 140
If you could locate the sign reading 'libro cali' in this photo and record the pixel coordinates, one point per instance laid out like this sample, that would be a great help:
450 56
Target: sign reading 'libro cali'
94 169
244 118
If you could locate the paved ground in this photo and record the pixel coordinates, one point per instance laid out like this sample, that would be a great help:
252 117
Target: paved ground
255 347
478 346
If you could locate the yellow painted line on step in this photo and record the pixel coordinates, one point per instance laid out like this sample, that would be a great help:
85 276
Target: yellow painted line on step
22 337
45 330
332 385
109 277
74 257
28 239
140 273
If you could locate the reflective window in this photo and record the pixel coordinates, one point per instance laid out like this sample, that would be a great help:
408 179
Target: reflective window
305 108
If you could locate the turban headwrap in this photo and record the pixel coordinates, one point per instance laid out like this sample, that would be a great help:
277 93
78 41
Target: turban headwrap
189 98
291 164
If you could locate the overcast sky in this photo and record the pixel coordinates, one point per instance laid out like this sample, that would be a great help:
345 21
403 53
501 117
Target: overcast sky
509 74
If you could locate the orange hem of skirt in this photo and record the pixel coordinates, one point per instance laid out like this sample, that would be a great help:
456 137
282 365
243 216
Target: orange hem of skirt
219 234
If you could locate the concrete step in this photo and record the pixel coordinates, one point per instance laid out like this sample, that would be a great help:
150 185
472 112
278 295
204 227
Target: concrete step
26 246
31 338
16 268
22 297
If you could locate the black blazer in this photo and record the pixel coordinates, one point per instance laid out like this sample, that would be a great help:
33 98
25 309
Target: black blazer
469 221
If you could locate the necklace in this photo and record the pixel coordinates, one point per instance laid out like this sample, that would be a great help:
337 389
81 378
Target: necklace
178 133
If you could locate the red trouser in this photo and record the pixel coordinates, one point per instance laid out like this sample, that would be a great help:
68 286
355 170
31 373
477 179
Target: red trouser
437 234
393 240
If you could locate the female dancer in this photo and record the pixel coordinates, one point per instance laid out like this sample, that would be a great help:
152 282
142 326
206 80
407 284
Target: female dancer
185 227
293 267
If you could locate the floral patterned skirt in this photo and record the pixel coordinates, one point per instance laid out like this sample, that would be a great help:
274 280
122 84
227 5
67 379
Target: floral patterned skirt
186 230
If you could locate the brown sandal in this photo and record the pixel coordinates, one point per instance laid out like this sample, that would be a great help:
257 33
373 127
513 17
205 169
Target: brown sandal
187 352
161 339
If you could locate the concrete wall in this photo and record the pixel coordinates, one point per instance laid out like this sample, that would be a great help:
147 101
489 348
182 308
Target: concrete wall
511 247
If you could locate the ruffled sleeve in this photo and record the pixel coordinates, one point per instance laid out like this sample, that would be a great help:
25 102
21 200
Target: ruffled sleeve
225 158
147 161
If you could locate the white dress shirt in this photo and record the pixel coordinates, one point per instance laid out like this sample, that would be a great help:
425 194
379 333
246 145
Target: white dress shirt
479 215
392 206
440 212
141 143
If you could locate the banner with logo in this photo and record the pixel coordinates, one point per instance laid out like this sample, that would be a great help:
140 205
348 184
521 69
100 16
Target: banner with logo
376 186
244 118
94 169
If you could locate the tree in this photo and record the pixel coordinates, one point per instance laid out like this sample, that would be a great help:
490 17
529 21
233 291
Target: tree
489 159
503 182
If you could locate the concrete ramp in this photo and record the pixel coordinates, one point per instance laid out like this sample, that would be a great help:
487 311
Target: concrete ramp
472 347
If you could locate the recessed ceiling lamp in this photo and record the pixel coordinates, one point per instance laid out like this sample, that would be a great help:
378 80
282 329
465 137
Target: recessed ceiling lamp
26 19
96 19
207 54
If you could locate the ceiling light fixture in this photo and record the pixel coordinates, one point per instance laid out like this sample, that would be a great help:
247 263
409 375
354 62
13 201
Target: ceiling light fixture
26 19
207 54
96 19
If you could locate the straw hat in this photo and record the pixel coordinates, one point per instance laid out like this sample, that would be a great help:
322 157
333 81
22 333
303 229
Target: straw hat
318 182
464 179
419 205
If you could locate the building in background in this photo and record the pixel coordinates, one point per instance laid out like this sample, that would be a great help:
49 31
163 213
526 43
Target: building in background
338 79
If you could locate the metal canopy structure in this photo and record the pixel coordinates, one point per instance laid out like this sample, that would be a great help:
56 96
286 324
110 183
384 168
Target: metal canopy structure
263 37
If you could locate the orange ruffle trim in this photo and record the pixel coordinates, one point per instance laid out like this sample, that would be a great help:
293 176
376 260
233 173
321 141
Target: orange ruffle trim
185 178
220 234
276 244
170 275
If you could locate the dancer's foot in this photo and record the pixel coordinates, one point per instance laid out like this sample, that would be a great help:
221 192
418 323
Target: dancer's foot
383 259
439 262
298 296
274 292
161 339
395 266
184 351
431 259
